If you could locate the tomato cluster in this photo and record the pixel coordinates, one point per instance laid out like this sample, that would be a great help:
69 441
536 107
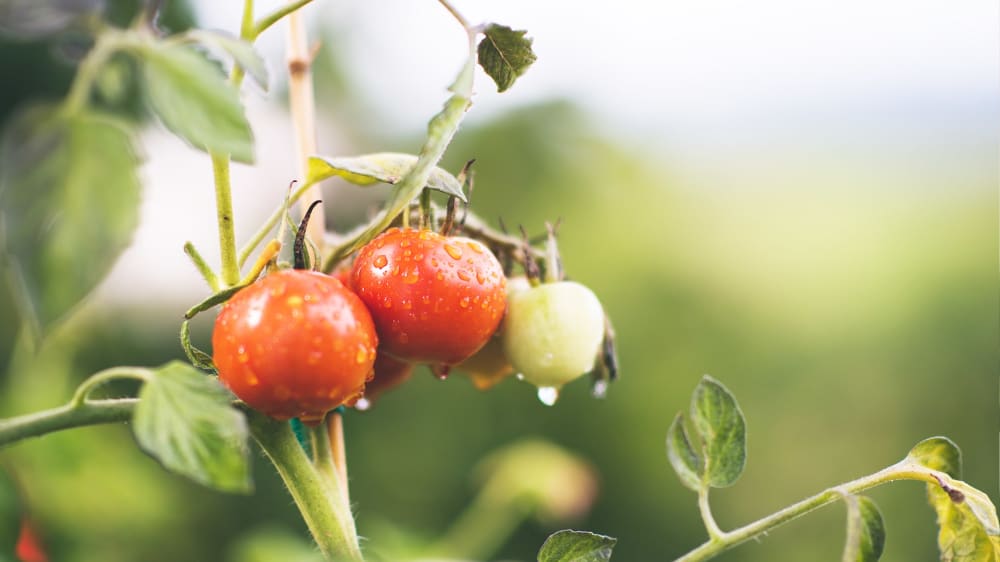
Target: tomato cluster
299 343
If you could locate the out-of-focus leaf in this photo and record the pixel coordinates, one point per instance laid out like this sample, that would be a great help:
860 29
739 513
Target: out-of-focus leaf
186 421
383 167
194 101
576 546
241 51
683 457
719 422
505 54
31 19
271 543
865 530
70 197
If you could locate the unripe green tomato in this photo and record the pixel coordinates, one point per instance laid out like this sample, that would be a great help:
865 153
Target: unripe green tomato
553 332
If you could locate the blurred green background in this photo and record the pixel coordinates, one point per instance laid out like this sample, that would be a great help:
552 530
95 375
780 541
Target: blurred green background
841 280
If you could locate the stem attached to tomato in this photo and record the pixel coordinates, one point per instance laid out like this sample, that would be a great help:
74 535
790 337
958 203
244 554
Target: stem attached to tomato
320 501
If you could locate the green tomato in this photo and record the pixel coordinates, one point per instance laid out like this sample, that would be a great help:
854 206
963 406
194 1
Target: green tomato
553 332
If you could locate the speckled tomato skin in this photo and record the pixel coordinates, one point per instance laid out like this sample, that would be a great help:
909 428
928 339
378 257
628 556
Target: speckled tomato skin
295 344
434 299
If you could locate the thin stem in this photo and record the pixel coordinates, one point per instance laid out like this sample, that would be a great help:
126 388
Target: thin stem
102 377
224 216
338 453
269 225
302 104
714 532
321 504
479 531
108 41
91 412
455 13
274 17
202 266
904 470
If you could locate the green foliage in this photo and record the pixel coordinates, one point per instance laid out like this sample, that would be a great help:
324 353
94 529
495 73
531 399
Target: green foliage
194 101
384 167
505 54
576 546
70 203
241 51
865 530
186 421
721 430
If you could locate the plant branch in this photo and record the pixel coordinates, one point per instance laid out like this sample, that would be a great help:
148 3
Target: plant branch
274 17
322 506
904 470
91 412
108 42
714 532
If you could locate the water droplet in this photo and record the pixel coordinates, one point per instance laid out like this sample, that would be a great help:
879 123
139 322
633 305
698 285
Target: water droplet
480 277
425 299
440 276
387 303
363 404
412 278
519 376
464 303
454 251
294 301
395 270
425 235
361 356
440 371
476 247
600 389
463 275
404 244
548 395
418 257
380 261
252 379
407 304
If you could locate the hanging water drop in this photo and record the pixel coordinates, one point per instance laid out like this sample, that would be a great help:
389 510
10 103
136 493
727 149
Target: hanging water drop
363 405
600 389
548 395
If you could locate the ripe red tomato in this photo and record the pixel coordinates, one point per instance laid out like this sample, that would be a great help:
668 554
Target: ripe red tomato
295 344
434 299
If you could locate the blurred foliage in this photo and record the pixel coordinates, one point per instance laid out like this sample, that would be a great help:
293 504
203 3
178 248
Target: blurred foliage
851 318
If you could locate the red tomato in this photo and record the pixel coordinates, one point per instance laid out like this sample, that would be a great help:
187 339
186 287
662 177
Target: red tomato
389 373
434 299
29 547
295 344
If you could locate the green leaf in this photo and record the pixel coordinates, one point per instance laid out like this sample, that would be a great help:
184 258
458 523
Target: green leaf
505 54
576 546
383 167
69 202
683 457
194 101
719 422
241 51
968 529
865 530
186 421
938 453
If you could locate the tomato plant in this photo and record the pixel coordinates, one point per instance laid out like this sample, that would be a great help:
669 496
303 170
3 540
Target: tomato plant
295 344
434 299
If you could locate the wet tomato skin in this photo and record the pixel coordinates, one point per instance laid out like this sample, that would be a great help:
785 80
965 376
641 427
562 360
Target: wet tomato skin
434 299
295 344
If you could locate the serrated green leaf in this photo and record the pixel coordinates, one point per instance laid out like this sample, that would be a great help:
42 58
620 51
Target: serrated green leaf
383 167
186 421
720 425
865 530
961 534
194 101
242 52
683 457
70 202
505 54
576 546
938 453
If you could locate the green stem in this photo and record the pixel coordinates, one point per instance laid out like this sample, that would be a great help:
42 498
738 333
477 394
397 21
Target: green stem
275 16
714 532
92 412
224 215
321 504
904 470
108 41
270 223
479 531
102 377
202 266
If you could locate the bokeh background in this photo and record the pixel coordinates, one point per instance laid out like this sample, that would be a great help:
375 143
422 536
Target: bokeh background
799 199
